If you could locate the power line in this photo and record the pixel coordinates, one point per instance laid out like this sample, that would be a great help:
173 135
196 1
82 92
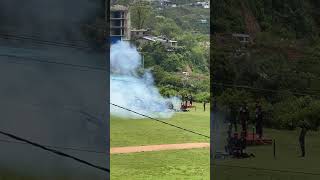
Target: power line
57 147
161 121
32 59
54 151
43 42
262 89
266 169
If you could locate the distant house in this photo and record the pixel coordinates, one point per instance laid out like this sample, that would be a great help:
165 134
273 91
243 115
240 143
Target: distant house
166 3
139 33
185 73
235 43
243 38
205 5
169 44
203 21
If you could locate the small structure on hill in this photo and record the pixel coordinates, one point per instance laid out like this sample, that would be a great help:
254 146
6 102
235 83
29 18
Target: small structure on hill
139 33
169 44
242 38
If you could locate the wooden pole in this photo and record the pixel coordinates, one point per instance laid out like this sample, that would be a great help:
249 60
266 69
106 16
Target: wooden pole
253 135
274 149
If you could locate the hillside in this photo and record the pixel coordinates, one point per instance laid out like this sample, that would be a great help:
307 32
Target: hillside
189 26
281 62
287 18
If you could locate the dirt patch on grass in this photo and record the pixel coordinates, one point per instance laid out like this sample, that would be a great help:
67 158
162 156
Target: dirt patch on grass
161 147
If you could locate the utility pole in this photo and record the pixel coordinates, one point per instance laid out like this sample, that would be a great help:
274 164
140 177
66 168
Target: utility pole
142 60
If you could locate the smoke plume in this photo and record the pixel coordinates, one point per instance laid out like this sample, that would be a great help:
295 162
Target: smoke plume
133 91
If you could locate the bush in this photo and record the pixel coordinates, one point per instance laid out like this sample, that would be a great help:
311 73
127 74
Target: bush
288 114
201 97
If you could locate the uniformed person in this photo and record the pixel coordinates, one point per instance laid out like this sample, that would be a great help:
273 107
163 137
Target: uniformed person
259 120
233 117
303 132
244 117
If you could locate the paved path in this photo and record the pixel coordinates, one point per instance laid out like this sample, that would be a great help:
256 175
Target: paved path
162 147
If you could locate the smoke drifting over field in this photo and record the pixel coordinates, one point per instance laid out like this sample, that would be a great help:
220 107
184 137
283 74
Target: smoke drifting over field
133 91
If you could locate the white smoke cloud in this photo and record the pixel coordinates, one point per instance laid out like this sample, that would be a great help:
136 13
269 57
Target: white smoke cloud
134 92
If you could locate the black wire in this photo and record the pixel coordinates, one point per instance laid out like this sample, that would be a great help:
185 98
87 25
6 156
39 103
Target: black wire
261 89
266 169
54 151
43 42
57 147
161 121
54 62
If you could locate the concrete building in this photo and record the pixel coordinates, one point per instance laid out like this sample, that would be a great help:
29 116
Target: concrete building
242 38
120 23
166 3
169 44
205 5
139 33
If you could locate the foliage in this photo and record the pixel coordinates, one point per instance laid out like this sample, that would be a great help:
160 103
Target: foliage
166 27
141 14
202 97
281 66
287 18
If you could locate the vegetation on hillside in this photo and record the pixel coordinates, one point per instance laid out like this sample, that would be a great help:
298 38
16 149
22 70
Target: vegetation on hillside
191 56
283 58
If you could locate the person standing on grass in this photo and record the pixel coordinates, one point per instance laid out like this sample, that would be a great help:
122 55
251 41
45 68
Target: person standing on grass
259 119
303 132
204 106
186 101
244 117
233 117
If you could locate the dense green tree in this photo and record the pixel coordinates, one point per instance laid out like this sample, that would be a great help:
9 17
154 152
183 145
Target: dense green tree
140 14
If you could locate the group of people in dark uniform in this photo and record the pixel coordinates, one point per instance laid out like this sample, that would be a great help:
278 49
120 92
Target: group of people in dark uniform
187 100
236 145
243 116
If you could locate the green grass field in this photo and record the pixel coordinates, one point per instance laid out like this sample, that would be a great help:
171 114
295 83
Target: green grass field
287 159
177 164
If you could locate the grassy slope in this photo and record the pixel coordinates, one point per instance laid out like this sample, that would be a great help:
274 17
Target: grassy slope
287 158
126 132
179 164
163 165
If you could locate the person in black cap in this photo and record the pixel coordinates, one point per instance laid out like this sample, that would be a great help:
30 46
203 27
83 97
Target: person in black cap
190 99
304 128
259 120
244 117
186 101
233 117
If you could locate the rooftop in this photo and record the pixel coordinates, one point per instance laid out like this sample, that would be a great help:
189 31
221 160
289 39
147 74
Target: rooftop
119 8
153 38
139 30
241 35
